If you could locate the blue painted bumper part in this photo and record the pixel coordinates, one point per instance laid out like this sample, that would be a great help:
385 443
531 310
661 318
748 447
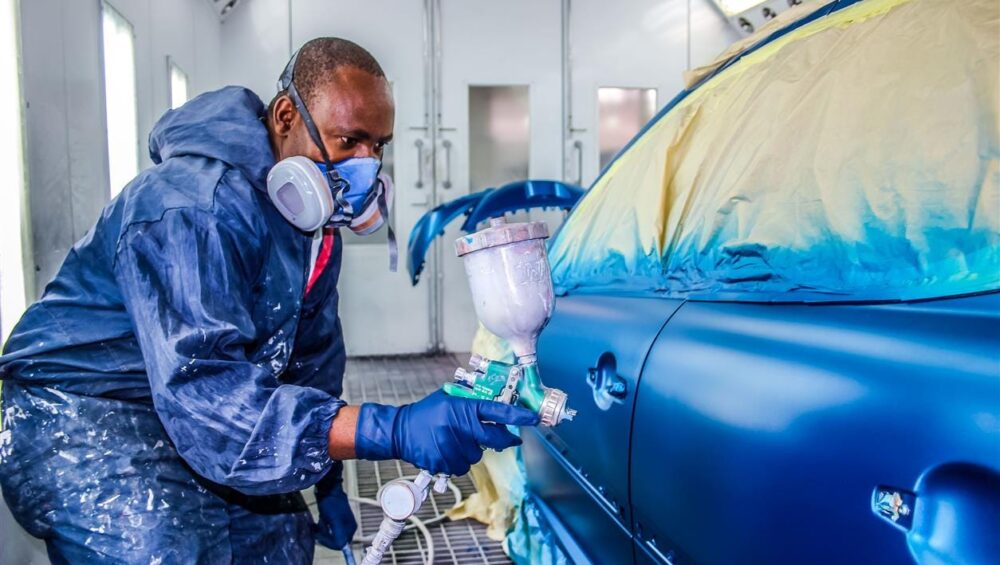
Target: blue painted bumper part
481 206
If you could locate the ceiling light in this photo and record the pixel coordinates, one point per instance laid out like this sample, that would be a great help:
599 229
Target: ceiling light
733 7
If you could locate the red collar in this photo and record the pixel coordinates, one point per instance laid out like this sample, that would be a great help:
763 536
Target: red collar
326 249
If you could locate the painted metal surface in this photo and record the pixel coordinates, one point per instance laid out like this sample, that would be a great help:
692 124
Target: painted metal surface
580 469
585 530
956 490
481 206
522 195
770 426
430 226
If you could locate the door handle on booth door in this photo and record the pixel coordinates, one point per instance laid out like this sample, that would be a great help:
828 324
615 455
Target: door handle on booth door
608 386
446 184
578 146
420 162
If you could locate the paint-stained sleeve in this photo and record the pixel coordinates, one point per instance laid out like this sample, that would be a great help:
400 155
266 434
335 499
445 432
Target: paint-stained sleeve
186 282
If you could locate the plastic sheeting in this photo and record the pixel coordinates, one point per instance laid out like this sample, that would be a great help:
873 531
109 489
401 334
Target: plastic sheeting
532 541
853 155
499 485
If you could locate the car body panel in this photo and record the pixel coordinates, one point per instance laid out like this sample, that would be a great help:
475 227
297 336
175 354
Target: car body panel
431 225
588 458
761 431
524 195
587 531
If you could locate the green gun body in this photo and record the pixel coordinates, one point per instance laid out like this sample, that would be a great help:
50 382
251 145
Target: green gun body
511 384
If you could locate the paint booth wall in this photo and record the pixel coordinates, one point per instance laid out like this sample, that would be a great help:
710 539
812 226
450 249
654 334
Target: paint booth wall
63 88
66 151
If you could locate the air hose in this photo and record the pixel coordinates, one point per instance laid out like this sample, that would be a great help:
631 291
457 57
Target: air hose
396 528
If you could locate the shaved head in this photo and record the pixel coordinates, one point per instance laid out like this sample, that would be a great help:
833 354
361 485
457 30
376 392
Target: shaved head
345 91
320 58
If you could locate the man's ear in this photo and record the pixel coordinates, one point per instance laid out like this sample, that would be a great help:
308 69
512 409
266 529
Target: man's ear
283 115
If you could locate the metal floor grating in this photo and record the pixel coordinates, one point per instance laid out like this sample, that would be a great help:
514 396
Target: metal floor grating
398 380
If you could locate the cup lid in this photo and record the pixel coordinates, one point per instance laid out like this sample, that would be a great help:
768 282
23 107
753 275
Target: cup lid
500 233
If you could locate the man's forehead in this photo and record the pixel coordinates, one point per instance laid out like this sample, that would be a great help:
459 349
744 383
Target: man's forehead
354 99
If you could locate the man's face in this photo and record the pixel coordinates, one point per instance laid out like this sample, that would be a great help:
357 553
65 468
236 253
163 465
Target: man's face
353 111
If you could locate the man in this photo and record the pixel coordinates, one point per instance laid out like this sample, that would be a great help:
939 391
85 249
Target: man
178 382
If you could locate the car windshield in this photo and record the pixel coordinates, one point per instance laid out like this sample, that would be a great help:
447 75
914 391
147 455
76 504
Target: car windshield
854 156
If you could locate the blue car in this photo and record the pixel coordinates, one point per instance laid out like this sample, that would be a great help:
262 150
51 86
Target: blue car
778 311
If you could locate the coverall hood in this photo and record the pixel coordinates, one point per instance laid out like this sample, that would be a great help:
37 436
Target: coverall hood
227 125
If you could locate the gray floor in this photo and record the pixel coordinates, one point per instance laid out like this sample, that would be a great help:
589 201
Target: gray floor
398 380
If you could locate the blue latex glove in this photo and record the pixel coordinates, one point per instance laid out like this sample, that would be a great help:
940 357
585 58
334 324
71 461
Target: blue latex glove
337 524
440 433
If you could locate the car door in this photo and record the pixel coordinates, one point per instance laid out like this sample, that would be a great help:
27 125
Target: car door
593 348
763 433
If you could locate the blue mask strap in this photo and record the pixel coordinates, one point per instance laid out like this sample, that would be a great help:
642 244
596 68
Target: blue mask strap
383 208
286 82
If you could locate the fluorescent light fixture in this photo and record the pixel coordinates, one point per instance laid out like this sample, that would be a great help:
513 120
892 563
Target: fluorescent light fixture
12 285
733 7
178 84
120 98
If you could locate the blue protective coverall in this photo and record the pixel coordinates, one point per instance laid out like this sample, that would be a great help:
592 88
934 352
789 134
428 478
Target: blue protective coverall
173 389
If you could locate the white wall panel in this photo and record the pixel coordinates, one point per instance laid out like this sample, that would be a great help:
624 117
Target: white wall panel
172 33
480 47
255 46
48 154
85 129
205 72
642 43
63 89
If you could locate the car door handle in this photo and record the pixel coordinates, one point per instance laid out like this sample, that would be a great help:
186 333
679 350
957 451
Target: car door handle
608 386
950 516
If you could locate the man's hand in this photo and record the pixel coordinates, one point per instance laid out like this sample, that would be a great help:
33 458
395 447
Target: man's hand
440 434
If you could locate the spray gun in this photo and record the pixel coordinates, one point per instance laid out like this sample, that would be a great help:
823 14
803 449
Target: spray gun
508 272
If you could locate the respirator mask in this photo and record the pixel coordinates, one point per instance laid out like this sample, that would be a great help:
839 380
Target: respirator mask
352 193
